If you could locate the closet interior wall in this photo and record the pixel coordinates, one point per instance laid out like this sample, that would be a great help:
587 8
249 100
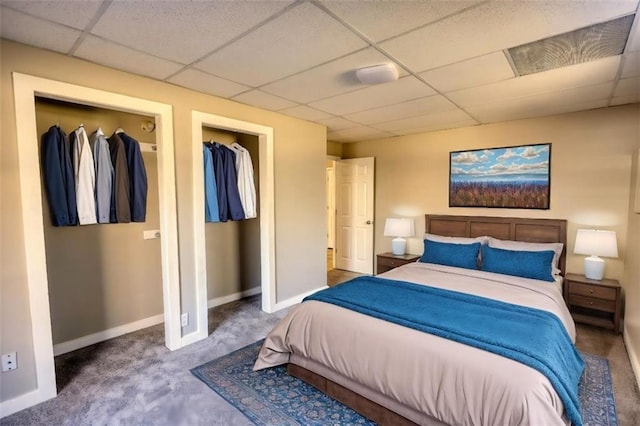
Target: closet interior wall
233 247
104 275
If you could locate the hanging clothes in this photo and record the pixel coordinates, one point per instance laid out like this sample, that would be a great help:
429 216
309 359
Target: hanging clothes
85 176
246 185
104 175
120 204
59 180
236 212
137 177
218 171
211 210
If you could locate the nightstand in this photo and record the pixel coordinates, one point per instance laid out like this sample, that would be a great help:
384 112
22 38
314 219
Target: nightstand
593 302
388 261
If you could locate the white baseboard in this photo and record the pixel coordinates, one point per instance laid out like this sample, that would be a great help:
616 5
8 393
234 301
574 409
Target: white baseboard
23 401
295 299
212 303
101 336
634 357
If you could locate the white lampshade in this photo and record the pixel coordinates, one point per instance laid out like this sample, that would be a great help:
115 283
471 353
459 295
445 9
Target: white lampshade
595 243
399 228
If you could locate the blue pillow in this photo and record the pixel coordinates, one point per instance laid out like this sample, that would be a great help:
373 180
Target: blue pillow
526 264
450 254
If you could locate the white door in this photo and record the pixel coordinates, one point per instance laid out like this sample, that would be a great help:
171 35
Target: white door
354 215
331 207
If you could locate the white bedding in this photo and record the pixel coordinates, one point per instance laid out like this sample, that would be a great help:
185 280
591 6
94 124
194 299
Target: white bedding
421 376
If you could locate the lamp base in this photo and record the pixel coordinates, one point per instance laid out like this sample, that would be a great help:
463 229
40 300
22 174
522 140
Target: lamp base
398 246
594 268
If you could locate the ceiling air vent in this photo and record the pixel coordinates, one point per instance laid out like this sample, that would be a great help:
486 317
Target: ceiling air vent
575 47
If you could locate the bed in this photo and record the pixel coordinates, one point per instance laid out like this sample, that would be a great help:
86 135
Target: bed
395 374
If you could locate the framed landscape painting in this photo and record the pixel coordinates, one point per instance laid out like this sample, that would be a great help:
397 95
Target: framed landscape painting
511 177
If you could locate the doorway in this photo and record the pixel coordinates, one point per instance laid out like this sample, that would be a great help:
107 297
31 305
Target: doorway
266 209
26 89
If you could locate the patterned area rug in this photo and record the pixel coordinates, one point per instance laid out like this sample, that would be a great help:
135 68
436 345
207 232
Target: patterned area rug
272 397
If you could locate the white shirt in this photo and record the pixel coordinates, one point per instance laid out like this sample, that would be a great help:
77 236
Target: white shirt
246 186
85 178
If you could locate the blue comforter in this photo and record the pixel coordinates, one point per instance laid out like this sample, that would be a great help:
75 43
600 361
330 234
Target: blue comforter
498 327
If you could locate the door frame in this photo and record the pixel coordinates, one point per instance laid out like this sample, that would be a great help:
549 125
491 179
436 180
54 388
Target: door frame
25 90
339 198
266 212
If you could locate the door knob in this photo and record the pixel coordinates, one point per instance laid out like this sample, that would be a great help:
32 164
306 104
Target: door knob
369 222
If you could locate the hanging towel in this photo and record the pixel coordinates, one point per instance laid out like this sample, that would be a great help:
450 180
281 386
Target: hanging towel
85 176
246 185
137 178
104 175
211 211
120 204
58 177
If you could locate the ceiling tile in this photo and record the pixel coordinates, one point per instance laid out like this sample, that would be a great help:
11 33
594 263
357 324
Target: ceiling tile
207 83
473 72
584 74
437 126
631 65
337 123
73 13
295 41
428 105
595 96
375 96
25 29
263 100
357 134
633 43
112 55
306 113
622 100
628 87
383 19
451 116
327 80
495 26
178 30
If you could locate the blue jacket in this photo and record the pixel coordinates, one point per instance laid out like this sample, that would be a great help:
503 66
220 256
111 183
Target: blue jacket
58 177
211 209
137 178
224 166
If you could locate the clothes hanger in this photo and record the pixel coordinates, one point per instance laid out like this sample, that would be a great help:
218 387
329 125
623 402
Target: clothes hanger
119 130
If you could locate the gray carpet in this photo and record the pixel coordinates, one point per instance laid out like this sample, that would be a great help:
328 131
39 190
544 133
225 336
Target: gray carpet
135 380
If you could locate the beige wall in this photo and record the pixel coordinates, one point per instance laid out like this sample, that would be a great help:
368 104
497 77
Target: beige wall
632 272
591 171
334 148
299 157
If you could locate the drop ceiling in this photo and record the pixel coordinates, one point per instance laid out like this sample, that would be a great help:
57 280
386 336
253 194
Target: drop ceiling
299 57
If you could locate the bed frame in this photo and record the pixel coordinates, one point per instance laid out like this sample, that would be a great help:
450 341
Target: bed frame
504 228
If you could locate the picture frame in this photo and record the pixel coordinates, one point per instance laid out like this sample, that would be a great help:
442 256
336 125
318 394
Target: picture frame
512 177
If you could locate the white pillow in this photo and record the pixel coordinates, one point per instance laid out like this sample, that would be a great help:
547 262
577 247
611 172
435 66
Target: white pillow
524 246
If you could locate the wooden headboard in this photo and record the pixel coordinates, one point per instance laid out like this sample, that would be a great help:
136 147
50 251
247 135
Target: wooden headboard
504 228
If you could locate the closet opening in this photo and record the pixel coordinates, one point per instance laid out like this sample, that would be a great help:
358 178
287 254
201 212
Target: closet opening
236 258
104 278
31 93
232 244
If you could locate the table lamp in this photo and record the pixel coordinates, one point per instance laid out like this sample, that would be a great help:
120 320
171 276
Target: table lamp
595 243
398 228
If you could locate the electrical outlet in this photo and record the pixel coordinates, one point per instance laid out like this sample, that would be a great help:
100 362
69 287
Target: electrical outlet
184 319
9 362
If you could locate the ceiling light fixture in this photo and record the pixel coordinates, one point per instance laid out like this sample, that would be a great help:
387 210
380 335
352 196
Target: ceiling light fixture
377 74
